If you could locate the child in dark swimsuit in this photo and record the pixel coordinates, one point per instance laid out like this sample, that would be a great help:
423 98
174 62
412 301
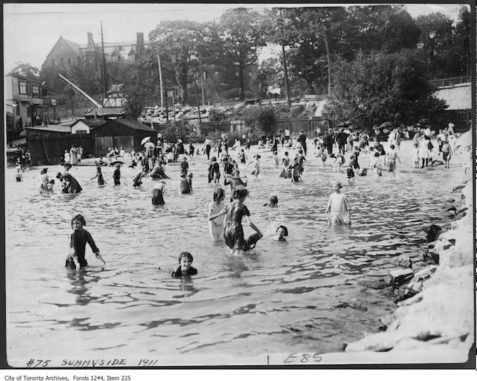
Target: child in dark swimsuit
117 175
214 170
78 241
137 181
185 268
233 231
99 176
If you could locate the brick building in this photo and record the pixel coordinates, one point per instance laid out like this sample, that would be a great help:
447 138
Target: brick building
66 54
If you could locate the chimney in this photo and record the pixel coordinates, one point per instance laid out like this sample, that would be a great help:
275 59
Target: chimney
91 46
140 44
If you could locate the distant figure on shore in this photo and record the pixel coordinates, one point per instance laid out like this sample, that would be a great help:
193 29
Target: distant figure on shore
185 266
338 207
78 241
158 193
216 226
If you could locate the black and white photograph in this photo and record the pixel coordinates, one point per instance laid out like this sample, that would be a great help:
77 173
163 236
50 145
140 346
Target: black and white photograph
239 185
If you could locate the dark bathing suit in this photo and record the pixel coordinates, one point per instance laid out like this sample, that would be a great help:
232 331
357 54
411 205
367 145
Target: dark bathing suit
178 273
78 242
233 231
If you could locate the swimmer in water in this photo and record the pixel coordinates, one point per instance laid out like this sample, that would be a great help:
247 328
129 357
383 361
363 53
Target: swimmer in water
185 266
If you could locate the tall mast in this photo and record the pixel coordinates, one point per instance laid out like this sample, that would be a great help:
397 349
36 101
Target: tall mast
104 64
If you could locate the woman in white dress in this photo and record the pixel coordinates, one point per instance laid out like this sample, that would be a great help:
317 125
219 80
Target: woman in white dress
338 207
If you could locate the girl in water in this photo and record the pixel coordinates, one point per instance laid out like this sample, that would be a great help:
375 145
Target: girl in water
216 226
338 207
233 231
78 241
99 176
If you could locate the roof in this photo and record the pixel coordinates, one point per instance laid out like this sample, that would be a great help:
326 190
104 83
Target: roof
133 124
112 111
50 128
92 123
19 76
457 97
73 45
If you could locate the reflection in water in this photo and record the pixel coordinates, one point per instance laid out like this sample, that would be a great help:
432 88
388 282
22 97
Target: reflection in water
82 283
279 297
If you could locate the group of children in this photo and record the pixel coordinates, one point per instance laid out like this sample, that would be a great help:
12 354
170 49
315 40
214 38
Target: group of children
226 220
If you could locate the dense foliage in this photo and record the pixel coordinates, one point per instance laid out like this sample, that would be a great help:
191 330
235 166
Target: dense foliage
327 49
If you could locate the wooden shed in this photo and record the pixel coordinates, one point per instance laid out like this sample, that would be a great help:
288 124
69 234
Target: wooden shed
120 133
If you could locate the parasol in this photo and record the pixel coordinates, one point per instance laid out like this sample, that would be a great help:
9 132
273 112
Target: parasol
386 124
145 140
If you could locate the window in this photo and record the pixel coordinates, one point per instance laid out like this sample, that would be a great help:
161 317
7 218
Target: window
17 108
35 91
22 88
28 109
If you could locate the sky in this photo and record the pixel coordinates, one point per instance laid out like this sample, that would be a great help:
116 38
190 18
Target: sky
31 30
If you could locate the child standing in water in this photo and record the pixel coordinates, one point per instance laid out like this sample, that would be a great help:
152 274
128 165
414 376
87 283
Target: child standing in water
214 170
391 158
255 163
117 175
275 157
78 241
185 266
415 155
338 207
216 226
233 231
184 167
446 152
158 193
99 175
19 173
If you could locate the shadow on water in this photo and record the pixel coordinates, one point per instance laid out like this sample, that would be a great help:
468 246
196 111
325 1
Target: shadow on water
81 281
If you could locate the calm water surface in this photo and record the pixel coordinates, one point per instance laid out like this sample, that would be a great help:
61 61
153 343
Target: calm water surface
280 298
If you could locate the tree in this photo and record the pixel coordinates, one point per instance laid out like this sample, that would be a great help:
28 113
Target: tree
462 41
242 33
270 74
26 70
375 87
178 41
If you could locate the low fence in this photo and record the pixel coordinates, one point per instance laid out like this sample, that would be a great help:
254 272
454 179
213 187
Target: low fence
450 81
48 149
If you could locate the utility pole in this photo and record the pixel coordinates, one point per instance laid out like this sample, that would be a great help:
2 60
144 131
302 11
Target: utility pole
104 64
160 80
202 83
287 86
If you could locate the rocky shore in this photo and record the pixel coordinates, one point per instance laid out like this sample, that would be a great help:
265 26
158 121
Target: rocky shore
434 321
